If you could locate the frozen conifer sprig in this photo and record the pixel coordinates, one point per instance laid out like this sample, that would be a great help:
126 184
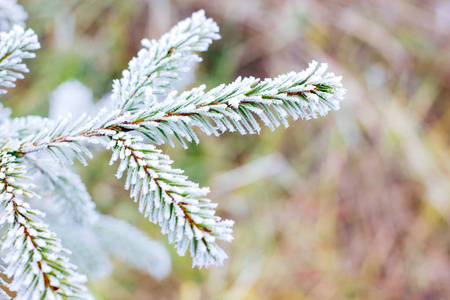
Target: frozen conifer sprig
306 94
15 46
34 257
147 112
232 107
161 61
167 198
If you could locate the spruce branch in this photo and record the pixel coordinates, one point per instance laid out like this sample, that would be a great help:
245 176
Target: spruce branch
35 258
307 94
169 199
162 61
232 107
165 196
14 47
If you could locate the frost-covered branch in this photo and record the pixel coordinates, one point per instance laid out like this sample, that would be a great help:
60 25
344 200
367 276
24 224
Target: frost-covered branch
35 258
232 107
169 199
163 60
165 196
14 47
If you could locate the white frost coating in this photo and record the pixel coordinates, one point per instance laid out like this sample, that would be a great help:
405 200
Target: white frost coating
173 51
33 255
166 197
11 13
236 106
234 102
14 47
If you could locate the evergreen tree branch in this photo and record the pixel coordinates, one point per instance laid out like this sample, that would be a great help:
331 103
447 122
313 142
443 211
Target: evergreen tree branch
169 199
14 47
306 94
162 61
165 196
35 258
233 107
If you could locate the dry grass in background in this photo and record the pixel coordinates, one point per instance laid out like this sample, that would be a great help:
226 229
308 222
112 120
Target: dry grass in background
352 206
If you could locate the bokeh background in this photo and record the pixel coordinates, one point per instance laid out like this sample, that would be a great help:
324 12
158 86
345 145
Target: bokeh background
352 206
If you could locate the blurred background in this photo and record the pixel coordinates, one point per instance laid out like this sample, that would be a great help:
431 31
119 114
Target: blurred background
355 205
